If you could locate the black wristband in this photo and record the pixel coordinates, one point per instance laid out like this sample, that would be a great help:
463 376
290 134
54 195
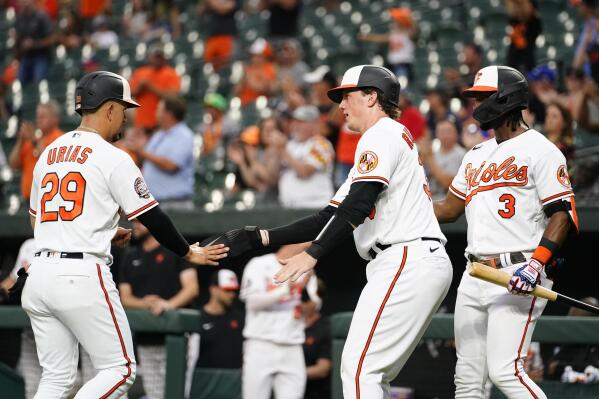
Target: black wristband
316 251
163 229
550 245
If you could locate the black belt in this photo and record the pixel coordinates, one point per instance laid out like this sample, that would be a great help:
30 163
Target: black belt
382 247
495 262
67 255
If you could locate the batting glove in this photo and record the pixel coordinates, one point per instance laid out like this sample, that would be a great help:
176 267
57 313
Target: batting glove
525 278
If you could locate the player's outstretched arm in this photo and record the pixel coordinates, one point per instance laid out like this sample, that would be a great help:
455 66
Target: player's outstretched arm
449 209
163 229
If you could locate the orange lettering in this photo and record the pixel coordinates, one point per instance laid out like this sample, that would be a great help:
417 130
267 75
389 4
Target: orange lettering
66 157
74 154
84 154
51 156
61 152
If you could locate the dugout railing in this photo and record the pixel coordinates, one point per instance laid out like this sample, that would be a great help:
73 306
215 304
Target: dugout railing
226 384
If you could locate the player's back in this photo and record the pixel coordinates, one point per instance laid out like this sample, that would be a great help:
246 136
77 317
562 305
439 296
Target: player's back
75 207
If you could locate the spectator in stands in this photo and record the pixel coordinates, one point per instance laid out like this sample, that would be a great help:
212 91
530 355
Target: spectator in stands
573 98
317 346
542 89
34 41
284 18
220 43
411 117
258 158
165 19
400 40
559 129
306 180
155 279
472 134
90 9
576 363
71 36
217 126
32 140
290 67
442 161
588 112
526 27
103 36
438 109
319 82
344 153
136 21
274 328
150 84
471 58
588 34
221 324
168 164
259 73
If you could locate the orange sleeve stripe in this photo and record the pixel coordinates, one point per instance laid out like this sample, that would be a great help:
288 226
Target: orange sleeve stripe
379 178
457 192
334 203
32 212
542 254
139 211
564 194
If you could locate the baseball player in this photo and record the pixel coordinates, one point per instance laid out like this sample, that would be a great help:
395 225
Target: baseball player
386 204
273 356
519 206
80 186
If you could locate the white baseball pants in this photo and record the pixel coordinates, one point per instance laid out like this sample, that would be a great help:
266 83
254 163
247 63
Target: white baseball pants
71 301
268 366
492 334
406 284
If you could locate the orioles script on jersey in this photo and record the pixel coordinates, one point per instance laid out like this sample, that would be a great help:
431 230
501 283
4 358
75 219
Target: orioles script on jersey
70 154
506 174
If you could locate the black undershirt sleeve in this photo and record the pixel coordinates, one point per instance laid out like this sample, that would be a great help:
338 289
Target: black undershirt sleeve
163 229
351 213
302 230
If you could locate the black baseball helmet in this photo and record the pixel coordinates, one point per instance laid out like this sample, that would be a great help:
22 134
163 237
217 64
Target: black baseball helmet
95 88
365 76
509 90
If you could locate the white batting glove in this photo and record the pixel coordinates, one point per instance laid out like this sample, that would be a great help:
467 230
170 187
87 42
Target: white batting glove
525 278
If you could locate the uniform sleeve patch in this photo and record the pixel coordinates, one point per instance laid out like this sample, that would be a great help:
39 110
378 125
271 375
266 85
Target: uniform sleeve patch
367 162
562 176
141 188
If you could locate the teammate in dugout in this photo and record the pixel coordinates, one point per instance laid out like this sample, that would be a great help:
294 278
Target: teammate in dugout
385 203
519 206
80 185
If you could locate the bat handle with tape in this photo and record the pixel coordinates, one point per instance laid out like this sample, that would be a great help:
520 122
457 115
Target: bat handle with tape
498 277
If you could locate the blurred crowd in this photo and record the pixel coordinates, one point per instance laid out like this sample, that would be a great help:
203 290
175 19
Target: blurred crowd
296 150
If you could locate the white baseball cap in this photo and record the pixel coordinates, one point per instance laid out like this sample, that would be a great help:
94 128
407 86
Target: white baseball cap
225 279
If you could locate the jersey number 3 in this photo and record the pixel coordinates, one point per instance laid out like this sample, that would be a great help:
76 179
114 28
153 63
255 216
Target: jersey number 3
509 206
72 189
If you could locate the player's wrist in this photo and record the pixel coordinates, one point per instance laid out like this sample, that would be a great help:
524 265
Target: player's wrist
545 251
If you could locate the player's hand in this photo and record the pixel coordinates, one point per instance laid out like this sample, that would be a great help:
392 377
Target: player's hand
294 267
121 237
159 306
239 240
525 278
208 255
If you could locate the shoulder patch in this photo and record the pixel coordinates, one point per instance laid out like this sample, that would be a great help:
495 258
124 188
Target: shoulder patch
141 188
367 162
562 176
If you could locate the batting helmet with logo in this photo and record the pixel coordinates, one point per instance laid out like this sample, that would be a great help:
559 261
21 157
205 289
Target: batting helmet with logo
95 88
509 92
366 76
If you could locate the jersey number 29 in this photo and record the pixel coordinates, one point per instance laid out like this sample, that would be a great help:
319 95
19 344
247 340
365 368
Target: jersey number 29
72 189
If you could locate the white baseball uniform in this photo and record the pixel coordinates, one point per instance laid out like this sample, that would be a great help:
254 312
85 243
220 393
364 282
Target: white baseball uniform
81 184
273 357
315 190
505 187
409 271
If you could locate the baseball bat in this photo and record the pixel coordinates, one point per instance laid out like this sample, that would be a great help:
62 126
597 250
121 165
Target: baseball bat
498 277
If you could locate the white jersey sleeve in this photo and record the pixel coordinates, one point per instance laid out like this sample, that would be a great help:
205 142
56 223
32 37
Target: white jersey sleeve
33 196
551 177
252 280
375 159
458 186
320 154
129 189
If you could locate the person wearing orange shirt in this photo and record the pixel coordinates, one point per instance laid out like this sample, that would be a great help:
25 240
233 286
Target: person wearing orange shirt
150 84
33 140
259 73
